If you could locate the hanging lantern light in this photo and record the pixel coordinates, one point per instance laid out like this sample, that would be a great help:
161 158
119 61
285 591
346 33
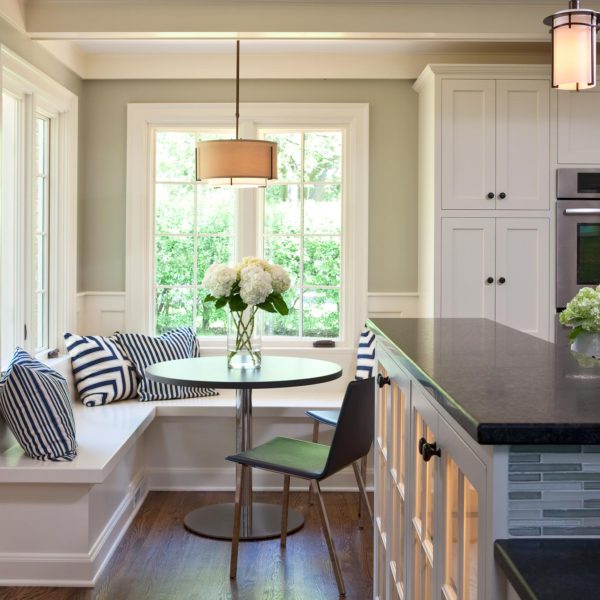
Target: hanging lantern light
236 163
573 47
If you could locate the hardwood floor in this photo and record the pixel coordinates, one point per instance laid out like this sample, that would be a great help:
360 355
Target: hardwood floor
159 560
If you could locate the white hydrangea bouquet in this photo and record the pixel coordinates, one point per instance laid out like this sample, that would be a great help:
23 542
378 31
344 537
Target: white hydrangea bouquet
245 288
583 312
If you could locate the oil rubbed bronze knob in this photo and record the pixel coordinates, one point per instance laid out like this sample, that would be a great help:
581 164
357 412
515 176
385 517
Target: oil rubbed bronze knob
490 280
430 450
381 380
501 280
491 195
501 195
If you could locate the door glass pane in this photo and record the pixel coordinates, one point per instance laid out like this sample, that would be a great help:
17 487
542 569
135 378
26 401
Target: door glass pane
427 580
588 253
452 550
418 558
471 520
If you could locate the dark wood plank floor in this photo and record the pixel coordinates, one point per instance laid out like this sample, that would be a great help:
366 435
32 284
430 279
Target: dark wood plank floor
159 560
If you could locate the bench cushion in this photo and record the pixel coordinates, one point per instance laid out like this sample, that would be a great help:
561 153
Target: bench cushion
145 350
35 403
102 372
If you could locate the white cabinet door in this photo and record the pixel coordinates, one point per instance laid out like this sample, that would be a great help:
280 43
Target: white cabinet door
467 263
579 127
522 145
468 146
523 274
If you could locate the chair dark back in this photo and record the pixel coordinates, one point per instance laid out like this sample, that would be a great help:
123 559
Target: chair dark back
355 427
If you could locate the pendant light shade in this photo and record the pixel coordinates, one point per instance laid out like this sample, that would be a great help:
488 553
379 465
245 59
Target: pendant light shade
236 163
573 47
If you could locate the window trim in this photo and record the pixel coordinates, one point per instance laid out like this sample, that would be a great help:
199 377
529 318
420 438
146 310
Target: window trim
42 94
142 118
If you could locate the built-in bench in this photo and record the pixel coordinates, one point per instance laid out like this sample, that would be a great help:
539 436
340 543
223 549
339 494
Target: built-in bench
60 521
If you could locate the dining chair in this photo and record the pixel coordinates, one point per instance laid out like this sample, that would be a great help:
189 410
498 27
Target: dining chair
365 367
352 439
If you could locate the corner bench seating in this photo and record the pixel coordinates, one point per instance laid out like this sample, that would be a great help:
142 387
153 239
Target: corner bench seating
61 521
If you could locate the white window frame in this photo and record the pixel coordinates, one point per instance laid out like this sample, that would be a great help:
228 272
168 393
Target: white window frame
143 119
40 94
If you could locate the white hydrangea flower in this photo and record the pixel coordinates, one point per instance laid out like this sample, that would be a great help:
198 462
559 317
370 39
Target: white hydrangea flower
281 279
253 261
219 280
255 285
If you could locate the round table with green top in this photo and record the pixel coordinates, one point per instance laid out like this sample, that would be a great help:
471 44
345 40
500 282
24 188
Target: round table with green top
259 520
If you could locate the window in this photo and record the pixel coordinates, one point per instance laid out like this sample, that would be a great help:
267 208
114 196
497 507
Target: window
177 228
38 208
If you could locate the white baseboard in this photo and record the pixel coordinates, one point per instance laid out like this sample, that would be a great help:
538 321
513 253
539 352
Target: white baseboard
223 480
72 569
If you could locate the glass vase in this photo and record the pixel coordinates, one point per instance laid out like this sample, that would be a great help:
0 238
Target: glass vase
244 339
587 343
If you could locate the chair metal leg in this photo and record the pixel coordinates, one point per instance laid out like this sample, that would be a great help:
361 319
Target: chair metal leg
237 514
327 533
315 438
363 491
284 509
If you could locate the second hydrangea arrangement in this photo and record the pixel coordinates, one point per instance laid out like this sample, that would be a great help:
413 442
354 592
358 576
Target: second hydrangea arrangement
245 288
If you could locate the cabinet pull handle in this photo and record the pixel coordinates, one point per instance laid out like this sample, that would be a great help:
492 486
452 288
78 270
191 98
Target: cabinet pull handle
381 380
490 280
501 280
428 450
491 195
421 443
501 195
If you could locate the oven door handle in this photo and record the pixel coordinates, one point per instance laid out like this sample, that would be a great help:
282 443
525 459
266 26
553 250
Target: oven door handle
581 211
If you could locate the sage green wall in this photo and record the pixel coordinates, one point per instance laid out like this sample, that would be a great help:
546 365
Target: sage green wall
393 166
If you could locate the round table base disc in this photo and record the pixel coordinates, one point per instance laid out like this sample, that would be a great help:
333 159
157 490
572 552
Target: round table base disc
216 521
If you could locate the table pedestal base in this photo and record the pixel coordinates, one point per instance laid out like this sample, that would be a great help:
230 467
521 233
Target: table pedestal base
216 521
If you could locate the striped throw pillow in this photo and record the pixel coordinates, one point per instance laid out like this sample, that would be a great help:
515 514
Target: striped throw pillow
102 372
35 403
365 357
145 350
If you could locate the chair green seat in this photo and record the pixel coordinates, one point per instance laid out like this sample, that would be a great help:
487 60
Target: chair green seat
287 455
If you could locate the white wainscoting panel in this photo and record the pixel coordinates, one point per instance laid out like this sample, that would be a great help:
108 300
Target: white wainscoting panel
393 304
100 313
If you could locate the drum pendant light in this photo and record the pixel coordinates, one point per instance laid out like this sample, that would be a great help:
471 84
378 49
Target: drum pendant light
573 47
236 163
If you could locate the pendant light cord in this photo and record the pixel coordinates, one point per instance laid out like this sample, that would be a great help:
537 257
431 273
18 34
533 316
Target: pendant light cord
237 90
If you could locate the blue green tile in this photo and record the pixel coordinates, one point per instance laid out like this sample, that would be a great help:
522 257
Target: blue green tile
571 477
591 503
545 448
524 531
543 468
570 513
591 449
591 485
525 476
524 458
524 495
570 531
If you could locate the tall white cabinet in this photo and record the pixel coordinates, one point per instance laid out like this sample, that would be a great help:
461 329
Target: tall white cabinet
484 194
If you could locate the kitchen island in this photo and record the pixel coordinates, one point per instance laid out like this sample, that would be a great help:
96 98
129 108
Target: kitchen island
483 433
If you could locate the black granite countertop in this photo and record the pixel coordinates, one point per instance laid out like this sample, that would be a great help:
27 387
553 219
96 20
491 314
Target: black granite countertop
501 385
551 569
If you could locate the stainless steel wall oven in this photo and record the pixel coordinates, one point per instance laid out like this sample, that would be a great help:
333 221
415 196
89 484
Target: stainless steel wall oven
577 232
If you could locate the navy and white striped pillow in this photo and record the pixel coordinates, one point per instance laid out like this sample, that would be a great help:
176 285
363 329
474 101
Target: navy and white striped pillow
102 372
35 403
145 350
365 356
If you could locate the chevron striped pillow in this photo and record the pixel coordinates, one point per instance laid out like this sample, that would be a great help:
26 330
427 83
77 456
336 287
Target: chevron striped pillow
365 356
146 350
102 372
35 403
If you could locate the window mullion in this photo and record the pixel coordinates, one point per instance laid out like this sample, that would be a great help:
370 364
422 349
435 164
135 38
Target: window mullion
27 226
